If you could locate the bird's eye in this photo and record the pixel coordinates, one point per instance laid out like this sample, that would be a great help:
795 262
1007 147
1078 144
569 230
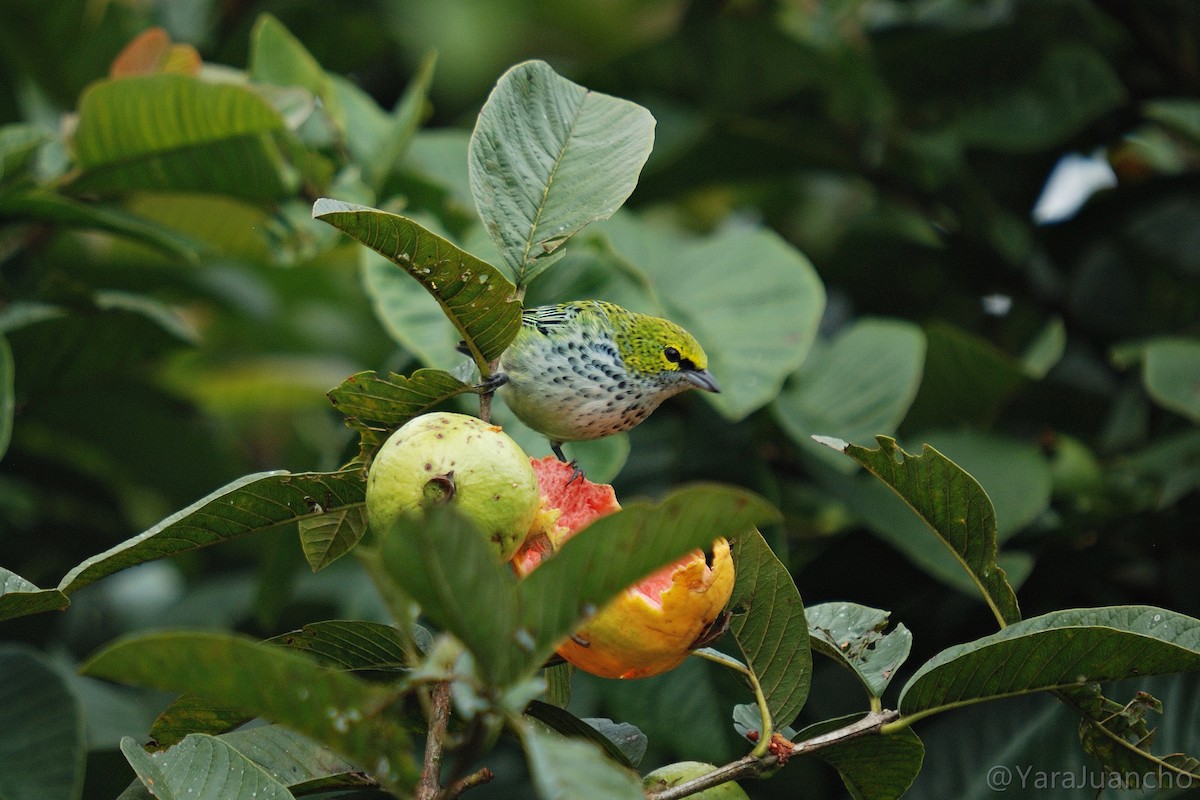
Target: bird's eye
671 354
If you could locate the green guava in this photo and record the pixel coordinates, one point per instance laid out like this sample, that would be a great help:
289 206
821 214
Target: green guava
675 774
461 461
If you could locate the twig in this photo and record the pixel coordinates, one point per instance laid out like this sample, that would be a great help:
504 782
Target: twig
751 766
429 787
476 778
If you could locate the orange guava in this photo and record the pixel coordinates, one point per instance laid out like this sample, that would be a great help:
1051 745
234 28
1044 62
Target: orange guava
651 626
461 461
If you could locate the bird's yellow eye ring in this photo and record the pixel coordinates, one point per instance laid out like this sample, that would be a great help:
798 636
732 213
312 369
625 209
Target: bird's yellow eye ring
671 354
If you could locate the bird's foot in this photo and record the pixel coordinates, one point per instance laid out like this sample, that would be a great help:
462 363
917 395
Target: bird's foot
576 472
491 383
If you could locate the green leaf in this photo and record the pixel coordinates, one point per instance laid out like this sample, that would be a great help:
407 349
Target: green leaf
41 206
340 644
202 766
953 505
376 406
296 761
18 146
1171 372
853 636
189 714
409 314
1058 650
619 741
443 563
248 505
547 158
567 769
631 544
872 767
278 57
858 386
750 299
328 537
1071 87
180 133
349 644
1181 114
332 707
768 623
381 156
967 380
1119 735
42 747
8 398
19 597
479 301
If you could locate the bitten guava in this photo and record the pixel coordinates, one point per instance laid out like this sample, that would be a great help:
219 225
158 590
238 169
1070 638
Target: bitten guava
650 627
459 460
675 774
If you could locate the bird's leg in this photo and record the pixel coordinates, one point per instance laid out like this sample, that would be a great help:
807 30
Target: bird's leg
556 447
491 383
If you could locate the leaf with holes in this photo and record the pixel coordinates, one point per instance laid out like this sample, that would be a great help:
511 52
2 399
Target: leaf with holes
952 504
478 300
853 636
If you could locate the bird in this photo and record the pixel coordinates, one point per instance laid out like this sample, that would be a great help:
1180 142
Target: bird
588 369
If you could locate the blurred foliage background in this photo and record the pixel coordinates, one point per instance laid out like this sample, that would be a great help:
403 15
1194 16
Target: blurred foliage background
999 197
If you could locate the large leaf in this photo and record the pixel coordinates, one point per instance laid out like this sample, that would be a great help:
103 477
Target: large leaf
248 505
330 706
566 769
479 301
202 766
871 767
375 406
1017 746
548 157
768 623
19 597
953 505
294 760
349 644
42 748
180 133
1058 650
445 565
853 636
858 386
1171 372
751 299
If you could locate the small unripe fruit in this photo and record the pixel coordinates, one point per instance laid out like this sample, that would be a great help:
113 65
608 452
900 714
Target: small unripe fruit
458 460
675 774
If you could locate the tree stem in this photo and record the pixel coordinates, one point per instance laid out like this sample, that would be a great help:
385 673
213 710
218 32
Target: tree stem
751 766
429 787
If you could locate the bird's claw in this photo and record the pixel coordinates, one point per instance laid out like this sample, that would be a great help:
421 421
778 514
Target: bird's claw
491 383
576 472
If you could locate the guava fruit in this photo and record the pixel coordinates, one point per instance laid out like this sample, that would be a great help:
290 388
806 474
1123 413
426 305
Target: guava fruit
651 626
461 461
675 774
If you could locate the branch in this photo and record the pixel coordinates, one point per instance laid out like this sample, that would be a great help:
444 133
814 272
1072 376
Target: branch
429 786
751 766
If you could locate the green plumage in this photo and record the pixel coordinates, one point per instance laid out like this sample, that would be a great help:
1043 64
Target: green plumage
589 369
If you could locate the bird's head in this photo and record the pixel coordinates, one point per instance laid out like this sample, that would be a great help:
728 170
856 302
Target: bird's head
658 347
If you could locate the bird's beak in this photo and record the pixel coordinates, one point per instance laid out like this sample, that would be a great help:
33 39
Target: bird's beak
703 380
